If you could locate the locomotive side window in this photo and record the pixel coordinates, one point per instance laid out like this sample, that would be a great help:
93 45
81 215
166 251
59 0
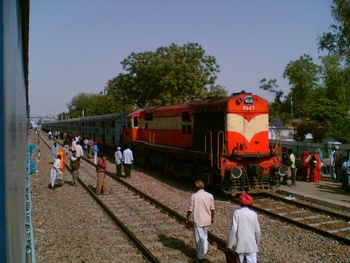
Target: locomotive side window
136 121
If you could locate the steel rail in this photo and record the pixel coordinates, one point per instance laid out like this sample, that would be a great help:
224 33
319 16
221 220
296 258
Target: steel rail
325 233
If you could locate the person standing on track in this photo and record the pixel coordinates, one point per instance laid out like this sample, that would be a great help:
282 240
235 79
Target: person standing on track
245 231
79 150
66 145
95 151
128 159
203 209
54 170
86 147
91 147
54 151
118 156
61 174
101 176
74 144
74 166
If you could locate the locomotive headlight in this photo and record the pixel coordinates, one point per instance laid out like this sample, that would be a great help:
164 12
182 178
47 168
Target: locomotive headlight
236 173
249 100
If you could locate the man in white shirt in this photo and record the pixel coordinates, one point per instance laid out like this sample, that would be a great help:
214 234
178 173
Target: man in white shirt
202 207
56 168
128 159
245 231
118 157
79 150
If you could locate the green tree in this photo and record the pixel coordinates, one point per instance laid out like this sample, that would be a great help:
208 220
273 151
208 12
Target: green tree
170 75
88 105
303 78
275 107
338 40
117 94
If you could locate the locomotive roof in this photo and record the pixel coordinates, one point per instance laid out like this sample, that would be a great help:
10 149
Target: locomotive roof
197 105
191 104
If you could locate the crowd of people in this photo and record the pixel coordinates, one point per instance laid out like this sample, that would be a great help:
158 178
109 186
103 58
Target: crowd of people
310 167
89 149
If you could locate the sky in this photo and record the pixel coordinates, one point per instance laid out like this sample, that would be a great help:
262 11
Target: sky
76 46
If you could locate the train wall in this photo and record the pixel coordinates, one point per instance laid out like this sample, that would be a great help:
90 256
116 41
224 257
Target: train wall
14 129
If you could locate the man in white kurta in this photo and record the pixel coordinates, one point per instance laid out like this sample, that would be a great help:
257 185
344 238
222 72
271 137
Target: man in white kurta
202 207
245 231
55 169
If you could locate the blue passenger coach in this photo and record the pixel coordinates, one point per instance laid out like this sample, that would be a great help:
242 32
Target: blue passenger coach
14 124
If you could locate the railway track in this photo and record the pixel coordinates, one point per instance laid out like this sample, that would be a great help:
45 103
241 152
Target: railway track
322 221
159 232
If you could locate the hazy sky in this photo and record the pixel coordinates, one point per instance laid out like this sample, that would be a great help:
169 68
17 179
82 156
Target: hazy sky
77 45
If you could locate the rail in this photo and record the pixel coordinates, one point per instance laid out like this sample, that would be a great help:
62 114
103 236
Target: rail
220 243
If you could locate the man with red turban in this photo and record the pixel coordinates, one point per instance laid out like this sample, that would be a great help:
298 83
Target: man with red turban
245 231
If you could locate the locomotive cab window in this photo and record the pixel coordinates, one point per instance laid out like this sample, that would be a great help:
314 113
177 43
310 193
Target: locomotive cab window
186 116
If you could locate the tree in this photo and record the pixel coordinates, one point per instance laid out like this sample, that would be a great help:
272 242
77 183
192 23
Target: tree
170 75
303 78
117 94
275 108
338 40
88 105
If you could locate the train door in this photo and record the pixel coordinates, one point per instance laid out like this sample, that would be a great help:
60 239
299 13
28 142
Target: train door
209 128
119 123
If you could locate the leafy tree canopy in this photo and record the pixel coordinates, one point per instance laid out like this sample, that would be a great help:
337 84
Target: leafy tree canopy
338 40
170 75
85 104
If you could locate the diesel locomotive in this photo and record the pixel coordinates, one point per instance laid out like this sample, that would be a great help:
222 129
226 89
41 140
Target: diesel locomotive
222 141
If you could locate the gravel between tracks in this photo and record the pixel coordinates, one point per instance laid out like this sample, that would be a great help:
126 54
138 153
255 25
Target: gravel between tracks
67 224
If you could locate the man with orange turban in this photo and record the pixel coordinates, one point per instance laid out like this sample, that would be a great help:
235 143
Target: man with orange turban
61 174
245 231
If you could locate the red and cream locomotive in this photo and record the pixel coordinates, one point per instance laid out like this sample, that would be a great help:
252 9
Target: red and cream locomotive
217 138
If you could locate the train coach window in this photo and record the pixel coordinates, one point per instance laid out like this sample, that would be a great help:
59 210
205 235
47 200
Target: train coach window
183 129
136 121
186 116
